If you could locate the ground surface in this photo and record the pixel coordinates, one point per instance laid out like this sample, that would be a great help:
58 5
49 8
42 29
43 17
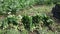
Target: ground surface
41 9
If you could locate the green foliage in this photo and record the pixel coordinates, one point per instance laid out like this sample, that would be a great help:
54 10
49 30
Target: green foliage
27 22
42 17
16 5
10 19
7 6
1 32
43 2
56 1
24 32
33 21
4 24
47 20
47 2
36 19
12 31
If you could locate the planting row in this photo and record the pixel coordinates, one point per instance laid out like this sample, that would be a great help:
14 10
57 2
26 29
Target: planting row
28 22
16 5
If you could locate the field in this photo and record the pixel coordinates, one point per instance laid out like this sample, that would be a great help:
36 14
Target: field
28 17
